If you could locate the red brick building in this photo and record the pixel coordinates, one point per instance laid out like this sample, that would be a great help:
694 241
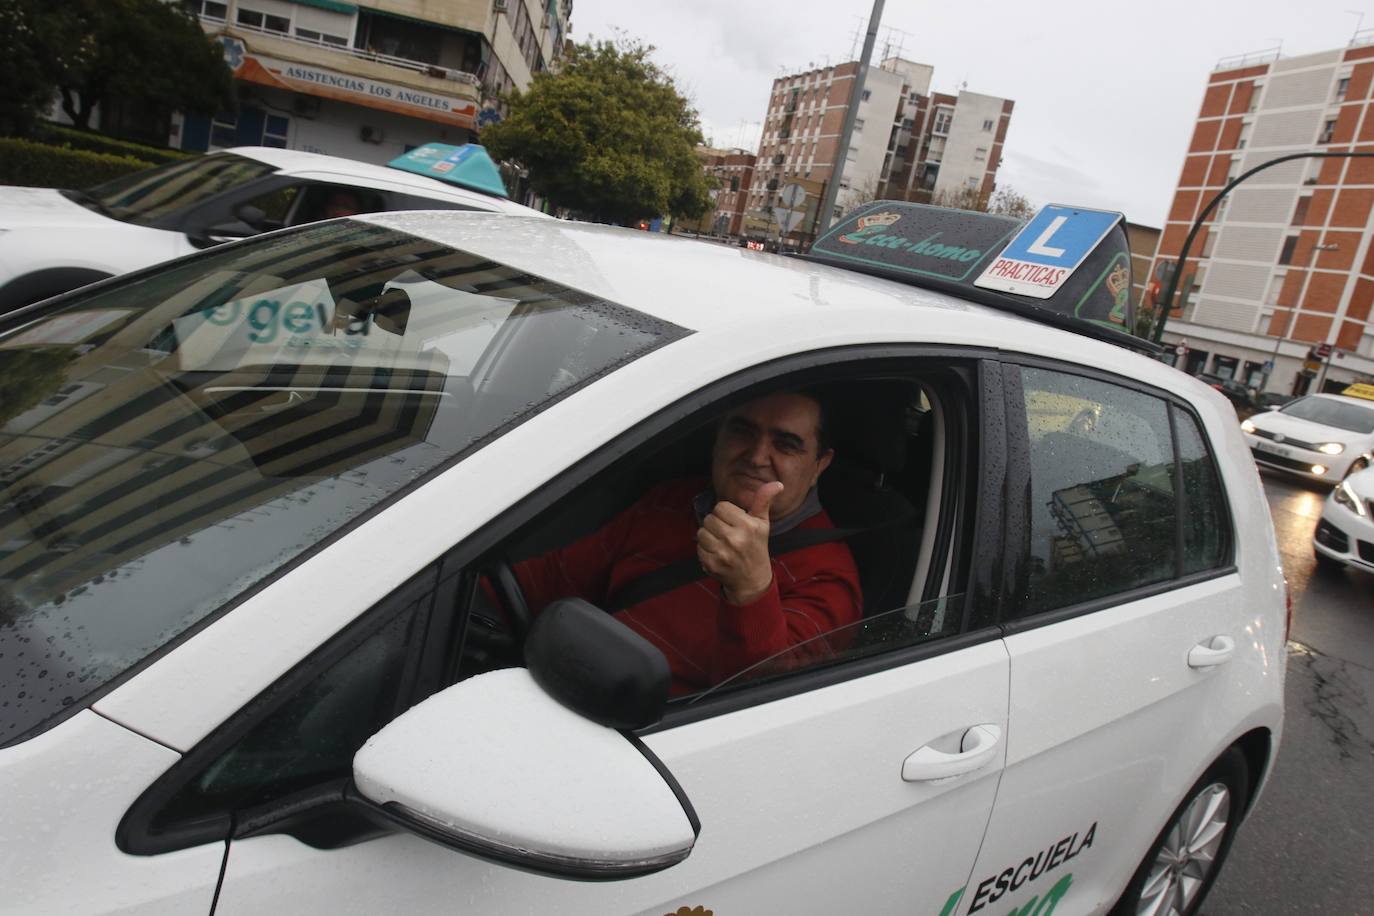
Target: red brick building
1285 263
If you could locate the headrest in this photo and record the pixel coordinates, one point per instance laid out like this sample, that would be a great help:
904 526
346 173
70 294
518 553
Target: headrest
868 424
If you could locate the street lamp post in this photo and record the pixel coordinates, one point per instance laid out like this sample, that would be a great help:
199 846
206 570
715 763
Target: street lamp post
1167 302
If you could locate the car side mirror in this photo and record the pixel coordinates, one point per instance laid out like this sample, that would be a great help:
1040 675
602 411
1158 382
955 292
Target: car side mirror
495 767
528 768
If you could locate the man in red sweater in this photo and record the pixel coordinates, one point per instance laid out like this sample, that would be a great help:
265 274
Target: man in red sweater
748 606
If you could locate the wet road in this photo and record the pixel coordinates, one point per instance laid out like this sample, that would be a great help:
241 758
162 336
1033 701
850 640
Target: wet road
1309 845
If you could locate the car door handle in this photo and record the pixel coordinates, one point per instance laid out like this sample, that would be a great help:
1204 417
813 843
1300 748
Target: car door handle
976 749
1209 653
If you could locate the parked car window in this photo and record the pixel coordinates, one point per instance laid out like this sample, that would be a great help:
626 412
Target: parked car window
146 196
1206 529
190 434
1103 509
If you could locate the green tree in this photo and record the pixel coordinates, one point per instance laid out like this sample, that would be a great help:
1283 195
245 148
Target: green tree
139 52
607 136
25 68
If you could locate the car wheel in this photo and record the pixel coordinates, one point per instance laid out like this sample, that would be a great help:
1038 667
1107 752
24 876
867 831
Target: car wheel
1185 858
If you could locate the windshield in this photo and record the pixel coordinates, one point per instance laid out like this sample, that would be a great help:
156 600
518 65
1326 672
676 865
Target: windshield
1333 413
148 196
168 442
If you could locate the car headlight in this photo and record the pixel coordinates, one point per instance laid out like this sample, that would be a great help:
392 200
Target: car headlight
1331 448
1247 427
1345 495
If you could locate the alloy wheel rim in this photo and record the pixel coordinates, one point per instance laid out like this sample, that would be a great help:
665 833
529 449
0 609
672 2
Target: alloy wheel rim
1188 854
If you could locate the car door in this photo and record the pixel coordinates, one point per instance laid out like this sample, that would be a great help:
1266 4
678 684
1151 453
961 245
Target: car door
869 779
1131 637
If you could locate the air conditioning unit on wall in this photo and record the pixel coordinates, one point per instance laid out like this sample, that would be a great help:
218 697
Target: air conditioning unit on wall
498 6
370 134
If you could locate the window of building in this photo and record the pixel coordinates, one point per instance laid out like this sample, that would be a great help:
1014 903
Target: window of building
980 153
1208 243
1232 170
1244 136
1271 297
264 21
1342 85
1328 131
1300 211
972 182
274 128
1290 245
987 124
321 37
209 9
224 130
943 117
858 125
867 93
1255 91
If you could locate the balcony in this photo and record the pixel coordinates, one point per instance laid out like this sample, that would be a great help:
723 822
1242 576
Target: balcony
213 24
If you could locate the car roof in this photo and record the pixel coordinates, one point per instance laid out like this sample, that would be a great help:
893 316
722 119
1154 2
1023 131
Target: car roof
296 162
714 288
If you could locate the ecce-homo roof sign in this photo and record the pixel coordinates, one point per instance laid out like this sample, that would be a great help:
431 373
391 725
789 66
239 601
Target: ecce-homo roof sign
1044 254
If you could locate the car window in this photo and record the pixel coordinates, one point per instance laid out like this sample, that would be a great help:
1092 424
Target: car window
876 634
329 201
187 434
147 197
1332 413
1205 530
1103 510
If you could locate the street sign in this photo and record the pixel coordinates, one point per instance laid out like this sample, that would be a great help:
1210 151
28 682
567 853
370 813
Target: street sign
791 196
788 219
1047 251
1322 350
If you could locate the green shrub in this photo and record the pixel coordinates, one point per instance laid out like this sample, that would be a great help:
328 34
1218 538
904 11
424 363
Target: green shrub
40 165
61 135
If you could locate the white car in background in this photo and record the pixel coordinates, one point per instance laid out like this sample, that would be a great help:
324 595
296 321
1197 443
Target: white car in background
1345 532
52 240
1318 437
247 498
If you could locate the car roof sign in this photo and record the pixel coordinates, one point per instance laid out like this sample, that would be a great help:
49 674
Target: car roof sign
468 166
1080 260
1047 251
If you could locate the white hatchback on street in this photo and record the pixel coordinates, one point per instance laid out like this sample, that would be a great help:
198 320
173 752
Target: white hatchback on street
1319 437
272 518
1345 532
52 241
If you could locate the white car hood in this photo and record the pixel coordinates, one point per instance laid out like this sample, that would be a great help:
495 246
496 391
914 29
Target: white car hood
1362 482
44 208
1304 430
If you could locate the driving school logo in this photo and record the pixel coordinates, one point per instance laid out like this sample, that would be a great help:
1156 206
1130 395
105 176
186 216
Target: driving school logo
868 225
1014 877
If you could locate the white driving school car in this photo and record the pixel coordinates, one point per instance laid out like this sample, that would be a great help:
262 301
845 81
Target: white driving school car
1319 437
262 649
53 241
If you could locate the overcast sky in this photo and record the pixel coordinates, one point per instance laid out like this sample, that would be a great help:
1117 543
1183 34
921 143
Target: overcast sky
1106 92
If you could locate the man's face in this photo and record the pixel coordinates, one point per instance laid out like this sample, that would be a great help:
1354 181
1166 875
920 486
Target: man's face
773 438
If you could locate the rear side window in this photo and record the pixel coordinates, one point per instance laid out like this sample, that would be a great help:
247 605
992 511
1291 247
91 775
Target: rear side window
1107 513
1204 514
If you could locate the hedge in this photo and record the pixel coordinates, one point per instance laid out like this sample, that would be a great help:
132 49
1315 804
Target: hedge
39 165
61 135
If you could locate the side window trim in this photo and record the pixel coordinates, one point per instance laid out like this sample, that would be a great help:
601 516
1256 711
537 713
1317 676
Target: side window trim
1018 477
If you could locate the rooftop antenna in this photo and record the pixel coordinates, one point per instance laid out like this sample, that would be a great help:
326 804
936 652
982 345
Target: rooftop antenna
858 33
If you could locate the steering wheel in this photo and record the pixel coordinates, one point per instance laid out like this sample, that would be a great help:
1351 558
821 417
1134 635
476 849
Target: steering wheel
512 597
1085 421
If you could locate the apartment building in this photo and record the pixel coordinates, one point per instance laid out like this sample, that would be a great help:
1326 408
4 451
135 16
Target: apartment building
733 171
370 80
904 137
1277 287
